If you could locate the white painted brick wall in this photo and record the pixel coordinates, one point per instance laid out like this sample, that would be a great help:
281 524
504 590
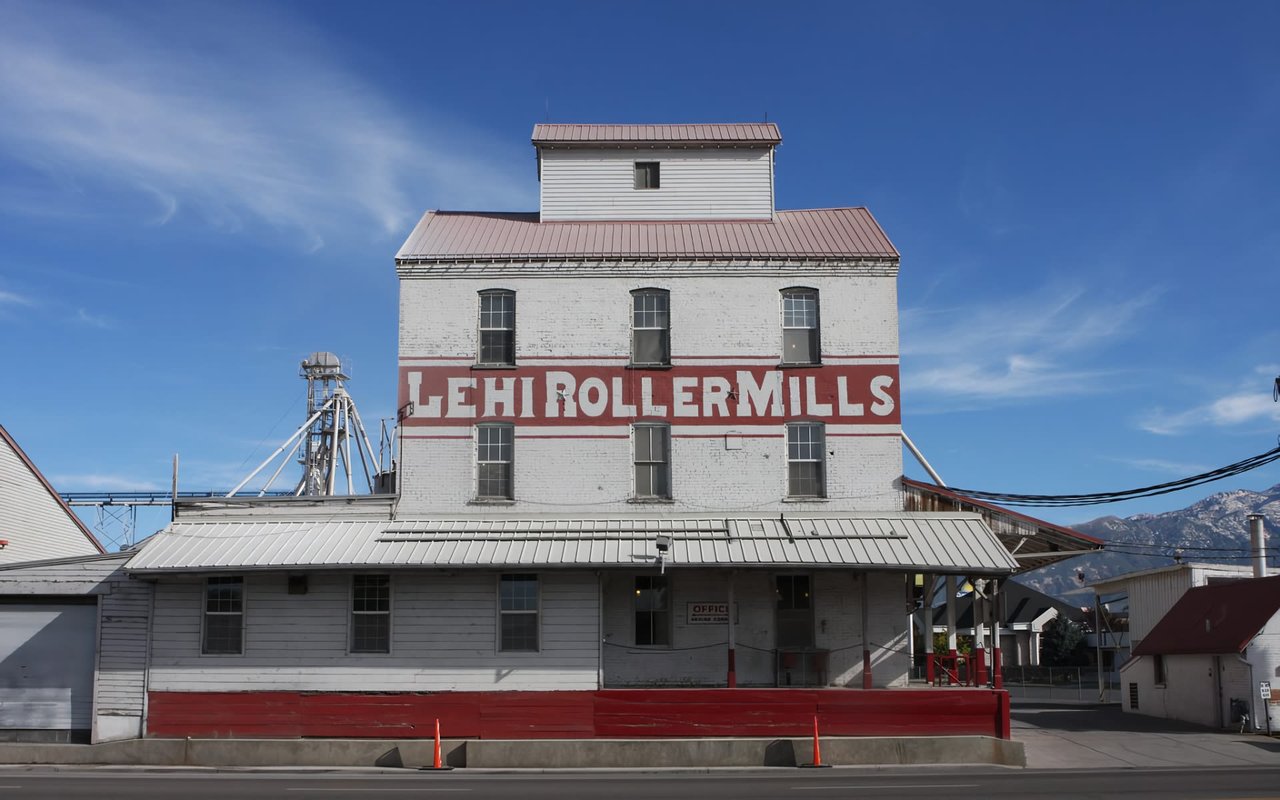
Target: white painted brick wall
711 316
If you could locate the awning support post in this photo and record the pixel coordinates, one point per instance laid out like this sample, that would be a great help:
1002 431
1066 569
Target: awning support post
866 632
732 678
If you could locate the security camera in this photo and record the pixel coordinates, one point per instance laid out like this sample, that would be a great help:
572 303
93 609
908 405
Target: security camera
663 543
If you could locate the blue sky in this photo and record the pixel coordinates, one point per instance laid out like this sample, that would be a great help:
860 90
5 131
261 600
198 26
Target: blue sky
194 196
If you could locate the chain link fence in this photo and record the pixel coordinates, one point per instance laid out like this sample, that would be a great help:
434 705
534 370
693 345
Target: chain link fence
1061 684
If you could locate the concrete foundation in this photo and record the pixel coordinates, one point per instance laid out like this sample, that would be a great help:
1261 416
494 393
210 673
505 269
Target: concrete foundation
525 754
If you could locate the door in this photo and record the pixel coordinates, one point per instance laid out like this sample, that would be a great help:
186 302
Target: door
46 670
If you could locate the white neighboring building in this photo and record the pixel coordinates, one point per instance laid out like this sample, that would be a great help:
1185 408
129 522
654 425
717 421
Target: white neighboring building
1153 592
35 523
57 586
1205 660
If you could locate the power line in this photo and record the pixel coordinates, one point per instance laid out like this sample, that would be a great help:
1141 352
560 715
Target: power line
1098 498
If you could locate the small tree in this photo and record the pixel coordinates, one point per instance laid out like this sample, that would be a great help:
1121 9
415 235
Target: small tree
1062 644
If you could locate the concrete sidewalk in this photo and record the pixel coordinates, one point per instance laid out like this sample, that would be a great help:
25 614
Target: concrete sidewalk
1104 737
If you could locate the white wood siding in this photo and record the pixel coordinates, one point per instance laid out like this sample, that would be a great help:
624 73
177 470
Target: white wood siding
443 630
696 183
36 525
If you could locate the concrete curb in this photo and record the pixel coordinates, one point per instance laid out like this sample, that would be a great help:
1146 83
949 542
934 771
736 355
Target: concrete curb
524 754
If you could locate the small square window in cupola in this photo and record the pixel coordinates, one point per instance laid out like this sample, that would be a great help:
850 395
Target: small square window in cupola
647 175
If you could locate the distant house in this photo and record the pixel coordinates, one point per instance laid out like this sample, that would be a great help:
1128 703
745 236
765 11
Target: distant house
1205 659
1023 612
35 523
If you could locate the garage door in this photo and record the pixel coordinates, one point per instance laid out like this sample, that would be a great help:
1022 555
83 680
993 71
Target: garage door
46 670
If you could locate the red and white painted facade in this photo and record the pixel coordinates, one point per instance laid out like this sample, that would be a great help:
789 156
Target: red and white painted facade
706 236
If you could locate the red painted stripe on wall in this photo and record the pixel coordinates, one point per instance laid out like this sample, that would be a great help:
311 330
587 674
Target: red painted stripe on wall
610 713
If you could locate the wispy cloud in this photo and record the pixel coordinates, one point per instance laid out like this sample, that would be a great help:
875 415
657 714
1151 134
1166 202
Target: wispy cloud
13 299
93 320
277 134
1162 466
1251 401
1023 347
94 482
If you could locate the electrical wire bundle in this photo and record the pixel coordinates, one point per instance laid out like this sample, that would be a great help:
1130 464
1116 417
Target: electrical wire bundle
1098 498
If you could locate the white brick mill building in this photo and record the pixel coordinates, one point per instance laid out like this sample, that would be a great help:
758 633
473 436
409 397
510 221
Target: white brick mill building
650 484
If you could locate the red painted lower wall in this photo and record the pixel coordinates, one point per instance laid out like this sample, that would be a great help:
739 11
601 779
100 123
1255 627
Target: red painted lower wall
609 713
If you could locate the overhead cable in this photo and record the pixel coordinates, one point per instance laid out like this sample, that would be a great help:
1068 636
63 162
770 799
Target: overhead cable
1098 498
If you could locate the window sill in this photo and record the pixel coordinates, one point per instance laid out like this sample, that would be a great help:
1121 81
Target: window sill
805 500
492 366
486 501
656 367
652 501
788 365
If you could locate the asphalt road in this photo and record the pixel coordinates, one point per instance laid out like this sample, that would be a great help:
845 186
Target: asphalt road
829 784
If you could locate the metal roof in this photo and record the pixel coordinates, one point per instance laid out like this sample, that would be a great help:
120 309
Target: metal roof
820 233
1033 542
733 133
923 542
1214 620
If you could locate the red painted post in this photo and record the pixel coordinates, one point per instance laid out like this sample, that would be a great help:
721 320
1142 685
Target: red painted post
866 670
997 676
954 659
980 668
928 669
1003 724
733 671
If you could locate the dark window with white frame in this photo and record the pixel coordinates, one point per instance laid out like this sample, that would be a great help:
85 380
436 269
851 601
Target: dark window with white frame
653 611
800 343
651 327
371 614
1157 668
648 175
223 616
497 328
495 452
652 446
806 461
518 613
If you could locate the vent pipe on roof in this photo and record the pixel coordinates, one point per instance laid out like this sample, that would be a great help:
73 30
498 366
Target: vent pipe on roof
1258 544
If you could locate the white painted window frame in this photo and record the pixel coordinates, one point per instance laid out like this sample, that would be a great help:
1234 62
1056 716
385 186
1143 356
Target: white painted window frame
481 328
816 335
650 291
536 612
205 613
389 613
821 460
477 463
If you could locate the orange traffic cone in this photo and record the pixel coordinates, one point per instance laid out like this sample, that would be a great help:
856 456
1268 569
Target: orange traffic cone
437 762
817 749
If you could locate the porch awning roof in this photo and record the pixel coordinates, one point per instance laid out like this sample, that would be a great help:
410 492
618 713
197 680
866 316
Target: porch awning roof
959 543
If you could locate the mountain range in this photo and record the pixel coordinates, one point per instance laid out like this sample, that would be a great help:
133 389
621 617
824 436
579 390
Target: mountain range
1213 530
